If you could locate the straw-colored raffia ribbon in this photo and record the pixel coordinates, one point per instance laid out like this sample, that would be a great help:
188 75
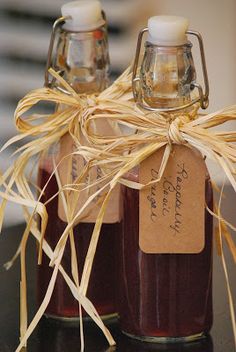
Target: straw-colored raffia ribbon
115 155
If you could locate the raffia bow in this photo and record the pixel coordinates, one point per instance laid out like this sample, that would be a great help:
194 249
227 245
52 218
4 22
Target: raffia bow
116 155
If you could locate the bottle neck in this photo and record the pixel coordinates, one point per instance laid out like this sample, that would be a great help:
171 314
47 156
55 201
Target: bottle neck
166 75
82 59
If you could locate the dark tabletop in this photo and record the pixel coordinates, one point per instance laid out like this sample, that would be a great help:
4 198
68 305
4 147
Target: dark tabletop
56 337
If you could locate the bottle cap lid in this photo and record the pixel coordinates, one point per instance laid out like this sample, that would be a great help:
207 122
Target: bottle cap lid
167 30
85 15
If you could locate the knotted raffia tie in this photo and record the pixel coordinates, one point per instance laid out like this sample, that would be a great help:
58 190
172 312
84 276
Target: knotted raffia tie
174 135
116 155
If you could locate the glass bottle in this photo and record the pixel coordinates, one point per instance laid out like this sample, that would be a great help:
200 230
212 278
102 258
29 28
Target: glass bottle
164 297
83 61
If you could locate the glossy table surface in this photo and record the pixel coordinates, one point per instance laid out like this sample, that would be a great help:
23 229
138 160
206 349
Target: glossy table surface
50 336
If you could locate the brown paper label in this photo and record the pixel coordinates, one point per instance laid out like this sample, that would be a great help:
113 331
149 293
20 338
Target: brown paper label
69 169
172 211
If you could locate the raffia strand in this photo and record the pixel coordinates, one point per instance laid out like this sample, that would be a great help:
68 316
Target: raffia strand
116 154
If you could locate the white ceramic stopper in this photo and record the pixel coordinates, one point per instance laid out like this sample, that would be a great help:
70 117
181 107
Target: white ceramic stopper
85 15
167 30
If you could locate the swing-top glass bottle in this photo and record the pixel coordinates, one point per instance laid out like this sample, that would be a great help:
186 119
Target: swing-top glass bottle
165 297
82 59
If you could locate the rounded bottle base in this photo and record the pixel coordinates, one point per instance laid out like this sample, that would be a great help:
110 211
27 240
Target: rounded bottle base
167 340
108 319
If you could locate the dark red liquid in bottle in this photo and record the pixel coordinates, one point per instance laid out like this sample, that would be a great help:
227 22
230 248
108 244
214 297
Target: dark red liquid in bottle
101 289
163 295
